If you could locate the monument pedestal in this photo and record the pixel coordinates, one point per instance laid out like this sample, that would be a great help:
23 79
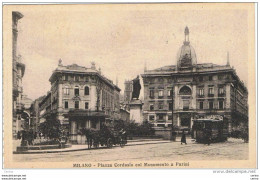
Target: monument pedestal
136 114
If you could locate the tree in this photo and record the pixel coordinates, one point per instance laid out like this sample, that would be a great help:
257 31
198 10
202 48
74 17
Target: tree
51 127
135 129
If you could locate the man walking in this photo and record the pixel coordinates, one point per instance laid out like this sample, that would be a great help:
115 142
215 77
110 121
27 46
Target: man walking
183 138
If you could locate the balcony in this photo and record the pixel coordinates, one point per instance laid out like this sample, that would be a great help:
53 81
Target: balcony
160 97
210 95
186 108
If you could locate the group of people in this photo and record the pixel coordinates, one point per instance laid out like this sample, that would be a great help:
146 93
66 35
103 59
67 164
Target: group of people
104 137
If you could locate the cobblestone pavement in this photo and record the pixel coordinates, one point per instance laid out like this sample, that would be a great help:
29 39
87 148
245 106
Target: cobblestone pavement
233 149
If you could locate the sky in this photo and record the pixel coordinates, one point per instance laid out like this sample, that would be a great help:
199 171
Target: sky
121 40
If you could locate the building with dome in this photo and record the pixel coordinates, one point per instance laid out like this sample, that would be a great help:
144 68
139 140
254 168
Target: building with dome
189 90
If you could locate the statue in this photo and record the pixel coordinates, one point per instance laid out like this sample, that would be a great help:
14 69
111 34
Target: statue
136 88
60 62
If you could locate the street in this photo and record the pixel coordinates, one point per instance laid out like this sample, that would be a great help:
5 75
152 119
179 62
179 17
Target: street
233 149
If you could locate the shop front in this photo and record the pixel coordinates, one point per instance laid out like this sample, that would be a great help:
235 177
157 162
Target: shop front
83 119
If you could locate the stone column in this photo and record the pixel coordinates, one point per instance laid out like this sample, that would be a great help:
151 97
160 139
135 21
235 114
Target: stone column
60 105
191 121
176 98
193 100
93 97
178 120
228 96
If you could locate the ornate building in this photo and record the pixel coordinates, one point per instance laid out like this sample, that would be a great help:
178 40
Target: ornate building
190 90
18 73
80 98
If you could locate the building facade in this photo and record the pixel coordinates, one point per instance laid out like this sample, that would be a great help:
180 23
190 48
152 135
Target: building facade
80 98
17 73
189 91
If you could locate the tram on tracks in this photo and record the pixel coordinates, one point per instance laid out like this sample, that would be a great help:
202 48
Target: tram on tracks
211 128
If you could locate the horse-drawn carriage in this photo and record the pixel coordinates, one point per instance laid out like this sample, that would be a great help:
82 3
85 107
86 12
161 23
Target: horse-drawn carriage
105 137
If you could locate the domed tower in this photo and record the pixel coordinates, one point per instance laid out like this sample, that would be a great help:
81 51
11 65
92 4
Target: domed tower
186 57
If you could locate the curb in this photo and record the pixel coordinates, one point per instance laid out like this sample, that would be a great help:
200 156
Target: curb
72 150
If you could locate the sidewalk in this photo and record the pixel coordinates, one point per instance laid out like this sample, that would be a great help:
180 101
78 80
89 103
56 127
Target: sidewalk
82 147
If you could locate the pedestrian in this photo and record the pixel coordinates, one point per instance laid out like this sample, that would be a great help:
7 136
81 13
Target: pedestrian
208 136
183 138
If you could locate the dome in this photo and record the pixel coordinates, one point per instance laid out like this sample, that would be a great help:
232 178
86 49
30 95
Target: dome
186 56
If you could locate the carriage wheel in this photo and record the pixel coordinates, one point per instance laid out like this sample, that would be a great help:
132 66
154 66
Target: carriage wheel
109 143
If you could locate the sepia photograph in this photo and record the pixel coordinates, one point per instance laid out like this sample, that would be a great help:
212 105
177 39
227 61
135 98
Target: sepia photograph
129 85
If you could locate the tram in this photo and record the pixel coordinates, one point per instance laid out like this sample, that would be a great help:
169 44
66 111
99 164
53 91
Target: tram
209 128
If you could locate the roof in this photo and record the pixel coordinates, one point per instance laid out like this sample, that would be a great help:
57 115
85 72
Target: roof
204 67
74 68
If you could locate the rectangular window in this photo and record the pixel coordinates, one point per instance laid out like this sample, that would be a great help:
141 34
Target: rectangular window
201 92
220 77
160 105
221 91
151 118
160 93
170 106
86 105
211 91
151 107
151 93
221 105
76 90
66 105
201 78
169 117
201 105
160 117
86 79
76 78
211 105
66 91
76 104
93 124
186 104
210 78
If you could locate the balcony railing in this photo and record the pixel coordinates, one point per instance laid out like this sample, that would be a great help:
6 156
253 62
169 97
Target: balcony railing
210 95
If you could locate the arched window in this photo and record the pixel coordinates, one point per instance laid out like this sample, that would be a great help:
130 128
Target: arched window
86 92
76 91
185 90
